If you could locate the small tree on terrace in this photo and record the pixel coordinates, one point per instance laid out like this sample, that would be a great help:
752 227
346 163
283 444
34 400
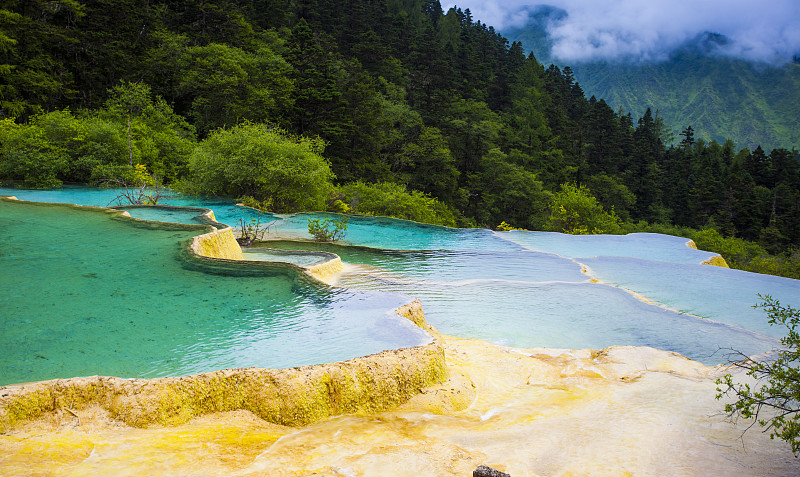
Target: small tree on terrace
774 401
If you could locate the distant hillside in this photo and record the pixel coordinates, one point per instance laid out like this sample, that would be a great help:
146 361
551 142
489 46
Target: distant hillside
719 97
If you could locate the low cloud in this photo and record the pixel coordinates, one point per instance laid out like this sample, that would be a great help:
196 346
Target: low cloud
648 30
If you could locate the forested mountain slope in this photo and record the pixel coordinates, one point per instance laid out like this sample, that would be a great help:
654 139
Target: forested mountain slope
720 97
396 105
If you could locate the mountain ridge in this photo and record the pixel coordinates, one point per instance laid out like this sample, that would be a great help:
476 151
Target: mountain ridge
720 97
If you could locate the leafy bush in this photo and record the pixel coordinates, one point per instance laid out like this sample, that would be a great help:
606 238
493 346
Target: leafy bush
750 256
339 207
505 227
58 146
784 265
250 201
327 230
27 154
136 186
737 252
777 386
251 231
104 147
612 193
393 200
262 162
656 228
575 211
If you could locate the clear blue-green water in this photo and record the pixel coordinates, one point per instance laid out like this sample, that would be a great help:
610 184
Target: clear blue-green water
524 289
106 197
534 299
302 260
84 294
167 214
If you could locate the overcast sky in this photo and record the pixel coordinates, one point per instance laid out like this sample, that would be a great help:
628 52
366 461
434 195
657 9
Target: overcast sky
762 30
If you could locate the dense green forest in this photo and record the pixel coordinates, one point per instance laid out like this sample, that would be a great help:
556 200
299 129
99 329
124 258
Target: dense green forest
379 107
721 97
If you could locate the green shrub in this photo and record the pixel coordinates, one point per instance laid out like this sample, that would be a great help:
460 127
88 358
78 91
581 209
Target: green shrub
250 201
777 386
262 162
327 230
251 231
28 155
393 200
575 211
58 146
656 228
504 191
505 227
737 252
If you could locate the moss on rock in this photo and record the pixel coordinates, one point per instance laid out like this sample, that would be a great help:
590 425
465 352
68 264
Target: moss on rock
291 397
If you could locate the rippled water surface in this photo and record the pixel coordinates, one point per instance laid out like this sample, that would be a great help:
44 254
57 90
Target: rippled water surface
524 289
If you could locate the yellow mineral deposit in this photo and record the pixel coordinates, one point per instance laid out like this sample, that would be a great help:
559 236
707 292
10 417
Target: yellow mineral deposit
716 260
218 244
327 271
619 411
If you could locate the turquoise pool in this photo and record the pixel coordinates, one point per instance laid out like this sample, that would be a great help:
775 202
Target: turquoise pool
175 215
524 289
85 294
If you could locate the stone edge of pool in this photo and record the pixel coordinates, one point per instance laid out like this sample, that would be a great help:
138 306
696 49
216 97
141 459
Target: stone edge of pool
291 396
716 260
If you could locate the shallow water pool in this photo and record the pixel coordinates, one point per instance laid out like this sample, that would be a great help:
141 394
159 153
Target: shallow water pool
87 294
167 214
533 299
299 259
524 289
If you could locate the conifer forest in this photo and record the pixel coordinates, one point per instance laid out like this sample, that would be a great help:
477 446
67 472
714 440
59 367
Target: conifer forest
385 107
